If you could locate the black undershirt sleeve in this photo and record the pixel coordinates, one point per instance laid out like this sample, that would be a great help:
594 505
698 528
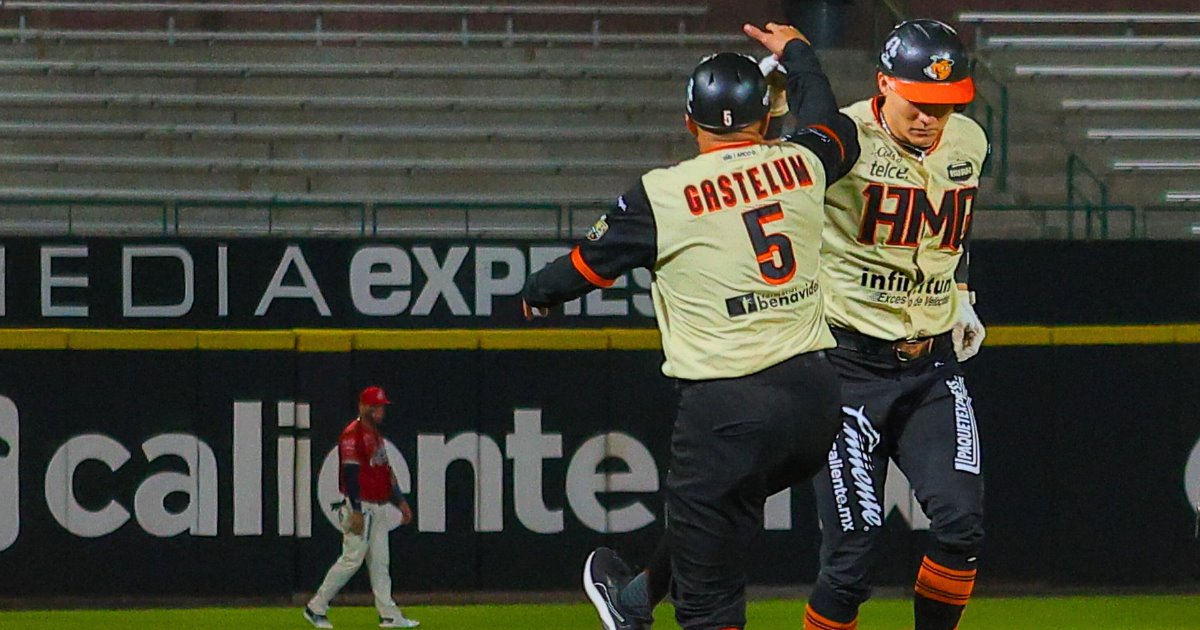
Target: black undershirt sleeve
962 273
353 493
823 129
624 238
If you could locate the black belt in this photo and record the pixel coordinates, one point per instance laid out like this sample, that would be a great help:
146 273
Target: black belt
904 351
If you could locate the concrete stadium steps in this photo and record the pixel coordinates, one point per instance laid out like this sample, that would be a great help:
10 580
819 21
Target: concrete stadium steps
1000 57
1053 89
667 119
435 153
834 61
477 185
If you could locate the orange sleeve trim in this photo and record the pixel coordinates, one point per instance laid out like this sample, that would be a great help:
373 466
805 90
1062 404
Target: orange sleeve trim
832 134
587 272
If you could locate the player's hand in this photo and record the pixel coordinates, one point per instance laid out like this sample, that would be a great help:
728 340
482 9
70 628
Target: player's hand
533 312
775 37
406 515
968 331
356 522
776 76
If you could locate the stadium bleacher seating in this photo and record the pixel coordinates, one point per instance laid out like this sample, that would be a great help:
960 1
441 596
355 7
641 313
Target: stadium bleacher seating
1117 90
318 103
257 104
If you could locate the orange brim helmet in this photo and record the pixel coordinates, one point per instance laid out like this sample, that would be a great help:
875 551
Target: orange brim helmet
929 63
958 92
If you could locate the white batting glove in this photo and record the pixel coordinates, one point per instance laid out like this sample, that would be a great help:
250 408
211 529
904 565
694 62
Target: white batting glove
777 85
770 64
968 331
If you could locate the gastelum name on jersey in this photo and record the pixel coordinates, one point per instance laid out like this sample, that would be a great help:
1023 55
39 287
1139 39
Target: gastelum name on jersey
755 302
909 217
745 186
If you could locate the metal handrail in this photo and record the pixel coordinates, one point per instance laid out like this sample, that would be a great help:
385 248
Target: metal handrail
368 209
995 119
318 35
999 17
1100 212
1076 198
895 13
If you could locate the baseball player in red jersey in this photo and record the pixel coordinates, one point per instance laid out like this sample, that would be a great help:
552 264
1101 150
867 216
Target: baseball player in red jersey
368 485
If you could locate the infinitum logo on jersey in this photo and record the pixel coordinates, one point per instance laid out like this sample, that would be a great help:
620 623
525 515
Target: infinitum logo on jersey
966 454
755 302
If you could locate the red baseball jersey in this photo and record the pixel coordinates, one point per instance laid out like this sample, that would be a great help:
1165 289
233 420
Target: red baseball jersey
363 445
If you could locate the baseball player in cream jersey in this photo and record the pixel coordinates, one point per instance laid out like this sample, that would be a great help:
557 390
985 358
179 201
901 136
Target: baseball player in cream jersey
894 270
733 239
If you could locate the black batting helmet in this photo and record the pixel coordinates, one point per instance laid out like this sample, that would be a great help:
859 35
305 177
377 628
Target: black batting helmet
930 63
727 92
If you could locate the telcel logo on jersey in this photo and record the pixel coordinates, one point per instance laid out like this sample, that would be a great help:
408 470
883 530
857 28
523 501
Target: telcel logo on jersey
754 302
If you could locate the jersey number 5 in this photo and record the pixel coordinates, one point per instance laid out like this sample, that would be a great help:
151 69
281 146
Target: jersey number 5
776 258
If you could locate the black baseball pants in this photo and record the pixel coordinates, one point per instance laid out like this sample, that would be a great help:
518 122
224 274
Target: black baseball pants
736 442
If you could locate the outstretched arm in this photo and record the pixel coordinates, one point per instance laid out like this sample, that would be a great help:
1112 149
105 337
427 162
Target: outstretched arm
623 239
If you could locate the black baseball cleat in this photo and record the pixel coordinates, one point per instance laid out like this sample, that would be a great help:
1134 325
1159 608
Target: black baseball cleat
604 575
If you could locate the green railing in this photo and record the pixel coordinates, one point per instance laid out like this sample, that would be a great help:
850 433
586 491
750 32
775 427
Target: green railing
1092 214
885 14
359 218
362 218
992 113
1090 202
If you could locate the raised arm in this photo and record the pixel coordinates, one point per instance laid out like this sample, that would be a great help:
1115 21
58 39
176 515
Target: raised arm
811 100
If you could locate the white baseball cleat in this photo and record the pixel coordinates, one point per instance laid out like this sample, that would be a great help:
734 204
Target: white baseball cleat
398 622
318 621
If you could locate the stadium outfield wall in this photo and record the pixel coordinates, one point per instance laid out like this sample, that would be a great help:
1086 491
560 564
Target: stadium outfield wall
168 411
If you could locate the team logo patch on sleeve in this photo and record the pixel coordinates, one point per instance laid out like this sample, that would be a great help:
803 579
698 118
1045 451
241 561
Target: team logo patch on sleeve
940 67
599 229
960 171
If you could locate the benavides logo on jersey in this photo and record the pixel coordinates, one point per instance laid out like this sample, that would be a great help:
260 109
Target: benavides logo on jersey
754 302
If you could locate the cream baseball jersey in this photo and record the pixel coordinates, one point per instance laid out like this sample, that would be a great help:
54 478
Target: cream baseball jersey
733 239
736 285
895 229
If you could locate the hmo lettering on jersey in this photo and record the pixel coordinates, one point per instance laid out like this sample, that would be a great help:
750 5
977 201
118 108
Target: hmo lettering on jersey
912 217
966 453
747 186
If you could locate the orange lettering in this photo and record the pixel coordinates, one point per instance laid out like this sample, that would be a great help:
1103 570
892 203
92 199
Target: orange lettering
693 200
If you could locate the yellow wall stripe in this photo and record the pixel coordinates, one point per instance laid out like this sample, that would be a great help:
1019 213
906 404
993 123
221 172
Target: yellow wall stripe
339 340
